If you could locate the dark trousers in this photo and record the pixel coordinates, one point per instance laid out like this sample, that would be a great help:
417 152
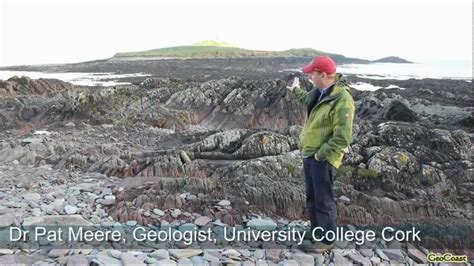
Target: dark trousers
319 194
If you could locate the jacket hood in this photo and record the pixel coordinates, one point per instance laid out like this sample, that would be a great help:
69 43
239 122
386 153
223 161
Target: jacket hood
340 86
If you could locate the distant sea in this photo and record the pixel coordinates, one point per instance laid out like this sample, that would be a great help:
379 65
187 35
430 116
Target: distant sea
460 70
76 78
437 70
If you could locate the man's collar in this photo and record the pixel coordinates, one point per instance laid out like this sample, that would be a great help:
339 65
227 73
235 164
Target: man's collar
325 89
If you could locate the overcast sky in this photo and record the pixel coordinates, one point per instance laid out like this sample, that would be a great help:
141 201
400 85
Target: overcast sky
41 32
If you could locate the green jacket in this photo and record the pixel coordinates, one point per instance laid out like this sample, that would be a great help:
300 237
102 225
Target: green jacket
327 130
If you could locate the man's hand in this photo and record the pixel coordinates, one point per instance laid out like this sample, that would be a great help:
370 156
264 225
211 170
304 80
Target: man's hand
316 157
296 83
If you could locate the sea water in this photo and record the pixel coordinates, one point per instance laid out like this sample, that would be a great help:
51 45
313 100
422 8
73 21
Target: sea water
460 69
76 78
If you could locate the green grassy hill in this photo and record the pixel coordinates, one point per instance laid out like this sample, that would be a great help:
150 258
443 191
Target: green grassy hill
212 49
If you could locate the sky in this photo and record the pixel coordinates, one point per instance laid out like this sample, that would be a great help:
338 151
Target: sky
46 32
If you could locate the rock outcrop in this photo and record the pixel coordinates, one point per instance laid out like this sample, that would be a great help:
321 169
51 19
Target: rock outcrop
178 146
17 86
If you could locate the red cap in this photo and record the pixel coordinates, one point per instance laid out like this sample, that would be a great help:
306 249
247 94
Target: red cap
322 64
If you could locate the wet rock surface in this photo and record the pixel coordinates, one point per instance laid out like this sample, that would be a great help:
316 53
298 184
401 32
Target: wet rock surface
223 152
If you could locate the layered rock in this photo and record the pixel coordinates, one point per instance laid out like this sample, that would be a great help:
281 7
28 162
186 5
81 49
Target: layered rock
237 139
17 86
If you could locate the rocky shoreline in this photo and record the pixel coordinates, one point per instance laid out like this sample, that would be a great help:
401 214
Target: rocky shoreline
210 151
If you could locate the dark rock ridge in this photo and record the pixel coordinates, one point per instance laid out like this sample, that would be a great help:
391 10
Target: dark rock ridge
253 68
437 102
17 86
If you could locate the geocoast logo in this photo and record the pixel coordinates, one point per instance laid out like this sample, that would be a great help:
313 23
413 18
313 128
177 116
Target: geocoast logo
446 257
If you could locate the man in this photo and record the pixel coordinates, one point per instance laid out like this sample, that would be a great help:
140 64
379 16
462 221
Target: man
327 131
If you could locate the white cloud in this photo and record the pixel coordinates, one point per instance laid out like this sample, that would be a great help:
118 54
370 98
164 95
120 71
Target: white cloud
56 32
